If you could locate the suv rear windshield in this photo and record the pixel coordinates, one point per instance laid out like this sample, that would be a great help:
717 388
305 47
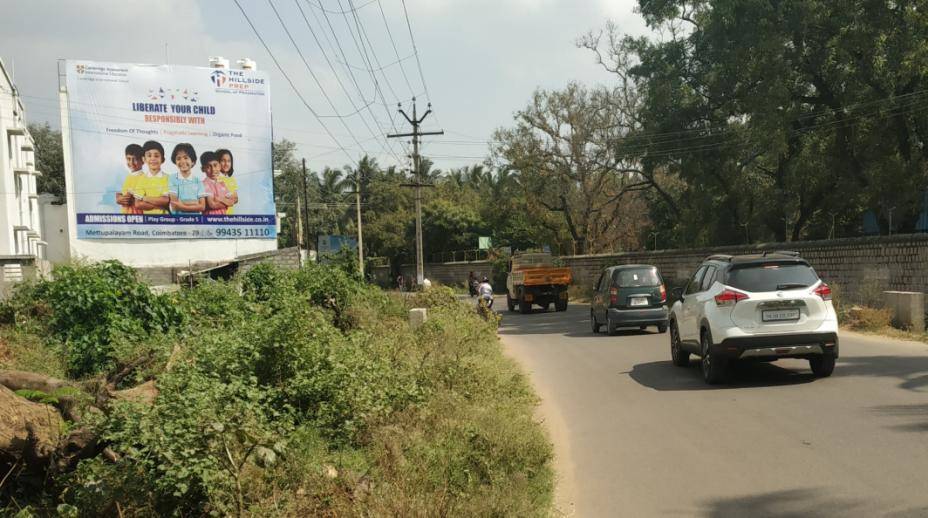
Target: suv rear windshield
772 277
637 277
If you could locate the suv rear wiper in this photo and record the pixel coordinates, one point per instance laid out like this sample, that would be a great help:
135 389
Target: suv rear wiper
791 286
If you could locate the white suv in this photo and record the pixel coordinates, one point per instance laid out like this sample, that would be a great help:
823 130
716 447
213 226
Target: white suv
754 307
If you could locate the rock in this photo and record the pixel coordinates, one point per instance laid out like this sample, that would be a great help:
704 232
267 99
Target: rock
418 316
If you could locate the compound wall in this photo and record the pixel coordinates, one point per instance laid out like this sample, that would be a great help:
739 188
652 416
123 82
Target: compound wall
860 268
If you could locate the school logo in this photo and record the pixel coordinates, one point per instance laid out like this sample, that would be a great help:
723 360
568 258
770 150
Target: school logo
173 94
81 68
218 77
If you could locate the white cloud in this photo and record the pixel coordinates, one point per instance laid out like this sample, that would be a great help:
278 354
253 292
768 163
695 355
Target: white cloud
481 58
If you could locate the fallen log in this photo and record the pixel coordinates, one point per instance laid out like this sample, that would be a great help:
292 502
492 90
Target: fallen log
32 433
28 431
23 380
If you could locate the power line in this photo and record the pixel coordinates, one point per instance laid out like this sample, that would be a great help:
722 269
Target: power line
290 81
311 73
385 144
415 51
318 6
354 79
396 51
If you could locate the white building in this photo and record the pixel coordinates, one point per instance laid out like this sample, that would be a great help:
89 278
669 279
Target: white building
20 226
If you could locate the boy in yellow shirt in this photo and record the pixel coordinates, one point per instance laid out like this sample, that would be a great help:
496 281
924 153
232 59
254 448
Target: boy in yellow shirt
134 164
150 189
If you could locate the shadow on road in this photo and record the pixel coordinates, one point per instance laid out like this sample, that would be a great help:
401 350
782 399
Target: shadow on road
808 503
915 416
664 375
575 323
912 371
796 503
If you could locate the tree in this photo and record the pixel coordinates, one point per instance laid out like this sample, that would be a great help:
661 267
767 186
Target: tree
563 149
49 160
288 187
773 118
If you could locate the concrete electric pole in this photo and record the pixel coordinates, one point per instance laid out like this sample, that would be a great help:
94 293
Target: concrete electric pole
357 199
306 211
415 121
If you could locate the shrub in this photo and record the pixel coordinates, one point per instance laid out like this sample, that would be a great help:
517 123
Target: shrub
868 319
191 450
91 307
263 282
307 393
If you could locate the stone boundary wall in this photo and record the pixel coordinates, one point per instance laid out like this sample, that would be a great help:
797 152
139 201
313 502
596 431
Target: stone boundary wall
285 258
860 268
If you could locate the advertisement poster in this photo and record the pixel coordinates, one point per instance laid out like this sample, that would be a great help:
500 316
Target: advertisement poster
170 152
329 245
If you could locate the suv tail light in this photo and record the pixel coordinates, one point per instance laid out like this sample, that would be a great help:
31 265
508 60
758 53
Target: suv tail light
663 294
613 296
823 291
730 298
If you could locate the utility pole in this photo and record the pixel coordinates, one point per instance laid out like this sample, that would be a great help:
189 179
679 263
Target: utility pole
306 207
415 121
357 199
299 223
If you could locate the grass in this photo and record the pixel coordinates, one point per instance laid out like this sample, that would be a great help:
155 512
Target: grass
23 350
446 427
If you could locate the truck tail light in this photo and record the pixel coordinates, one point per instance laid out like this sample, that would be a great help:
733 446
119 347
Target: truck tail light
729 298
823 291
663 294
613 296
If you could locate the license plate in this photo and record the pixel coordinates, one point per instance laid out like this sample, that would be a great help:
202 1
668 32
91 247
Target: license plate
638 301
776 315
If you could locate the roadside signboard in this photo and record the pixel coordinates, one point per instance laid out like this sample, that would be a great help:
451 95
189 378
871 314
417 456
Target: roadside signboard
138 137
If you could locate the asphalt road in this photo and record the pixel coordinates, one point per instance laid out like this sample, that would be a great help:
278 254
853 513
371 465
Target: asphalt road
636 436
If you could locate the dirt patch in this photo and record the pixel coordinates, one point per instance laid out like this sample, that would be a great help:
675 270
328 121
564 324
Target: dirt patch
5 355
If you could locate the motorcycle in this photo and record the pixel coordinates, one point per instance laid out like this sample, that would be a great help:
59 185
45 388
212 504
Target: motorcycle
485 307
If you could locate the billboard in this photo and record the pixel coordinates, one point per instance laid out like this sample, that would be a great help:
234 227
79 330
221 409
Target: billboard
169 152
329 245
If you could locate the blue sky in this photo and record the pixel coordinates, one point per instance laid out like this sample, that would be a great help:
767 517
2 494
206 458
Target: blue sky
481 60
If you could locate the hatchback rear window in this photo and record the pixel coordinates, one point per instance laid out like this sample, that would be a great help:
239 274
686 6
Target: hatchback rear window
772 277
637 278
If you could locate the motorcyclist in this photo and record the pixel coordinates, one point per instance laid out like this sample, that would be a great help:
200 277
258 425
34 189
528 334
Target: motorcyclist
472 284
485 292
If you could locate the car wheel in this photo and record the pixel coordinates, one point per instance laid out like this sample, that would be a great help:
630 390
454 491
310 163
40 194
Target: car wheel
714 368
525 307
560 306
610 327
662 328
642 327
822 366
510 304
548 307
680 357
593 323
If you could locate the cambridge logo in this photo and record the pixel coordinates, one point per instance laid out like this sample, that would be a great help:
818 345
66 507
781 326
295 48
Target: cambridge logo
218 78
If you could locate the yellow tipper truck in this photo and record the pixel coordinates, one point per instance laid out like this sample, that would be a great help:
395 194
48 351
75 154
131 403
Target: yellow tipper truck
534 280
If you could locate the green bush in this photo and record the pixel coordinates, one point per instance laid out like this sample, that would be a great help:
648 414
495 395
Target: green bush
191 451
89 308
303 394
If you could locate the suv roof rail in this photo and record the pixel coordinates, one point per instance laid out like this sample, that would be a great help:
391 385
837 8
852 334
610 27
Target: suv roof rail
719 257
791 253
